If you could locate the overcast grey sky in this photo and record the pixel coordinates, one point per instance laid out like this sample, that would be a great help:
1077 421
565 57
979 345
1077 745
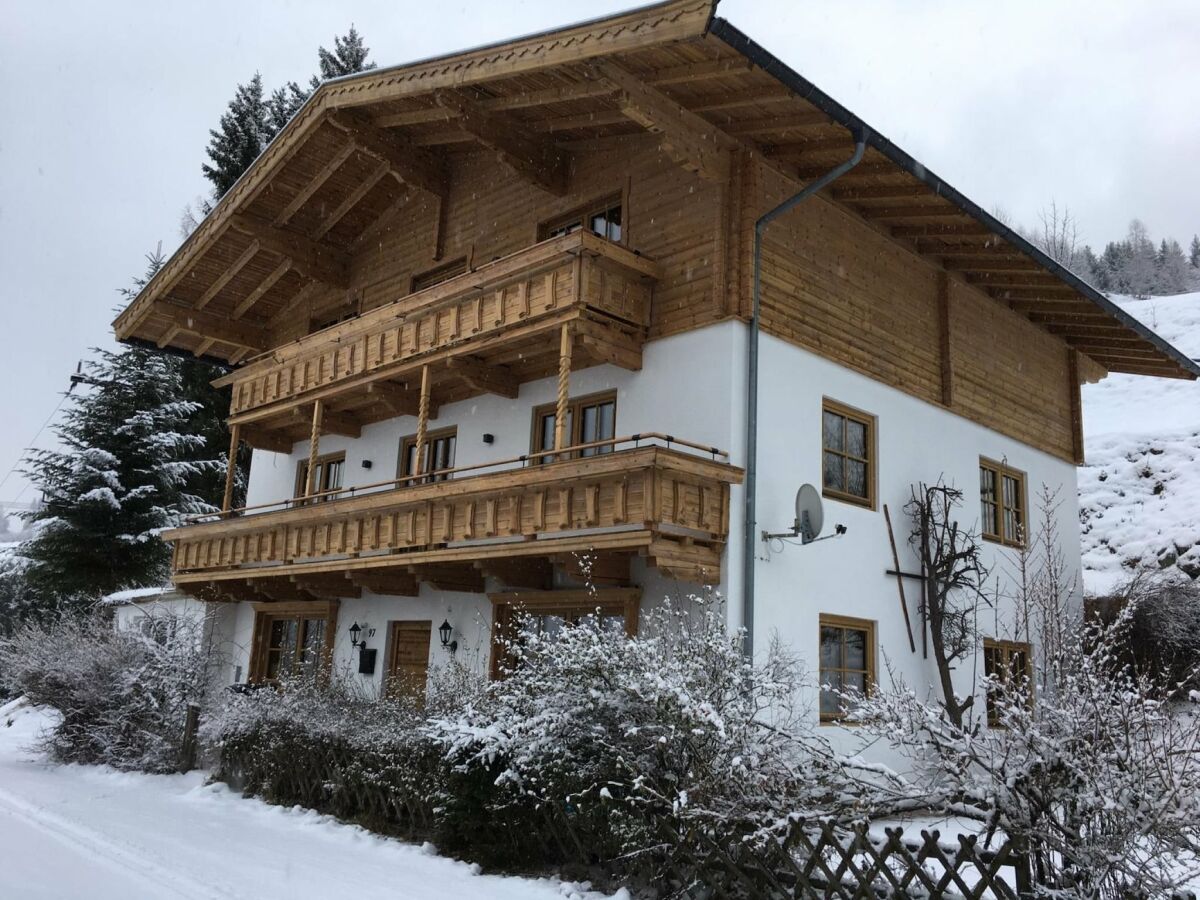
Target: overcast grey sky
105 110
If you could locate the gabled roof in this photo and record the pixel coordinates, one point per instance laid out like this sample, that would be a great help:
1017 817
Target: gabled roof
342 167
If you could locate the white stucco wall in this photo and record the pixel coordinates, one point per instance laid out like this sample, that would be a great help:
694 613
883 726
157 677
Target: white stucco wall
693 386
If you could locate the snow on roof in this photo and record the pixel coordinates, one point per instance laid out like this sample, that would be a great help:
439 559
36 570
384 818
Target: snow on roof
137 595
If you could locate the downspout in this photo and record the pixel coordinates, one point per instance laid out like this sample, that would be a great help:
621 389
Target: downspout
750 544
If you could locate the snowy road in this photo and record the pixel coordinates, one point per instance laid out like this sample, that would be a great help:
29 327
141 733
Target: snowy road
83 832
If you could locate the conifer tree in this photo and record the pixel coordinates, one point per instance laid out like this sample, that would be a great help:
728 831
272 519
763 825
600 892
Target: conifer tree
1194 252
349 56
125 471
245 129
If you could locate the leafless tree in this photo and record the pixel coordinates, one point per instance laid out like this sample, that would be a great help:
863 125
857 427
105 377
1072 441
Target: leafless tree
1057 234
955 579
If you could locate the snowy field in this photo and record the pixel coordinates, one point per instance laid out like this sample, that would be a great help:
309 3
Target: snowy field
85 832
1139 491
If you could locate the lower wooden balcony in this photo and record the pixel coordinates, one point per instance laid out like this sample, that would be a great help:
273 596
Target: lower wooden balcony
648 495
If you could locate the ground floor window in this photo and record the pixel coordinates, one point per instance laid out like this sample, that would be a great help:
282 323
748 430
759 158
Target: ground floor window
292 639
1002 502
550 611
408 659
847 661
1009 666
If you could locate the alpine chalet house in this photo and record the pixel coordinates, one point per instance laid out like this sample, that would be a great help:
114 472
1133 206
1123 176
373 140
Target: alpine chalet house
514 321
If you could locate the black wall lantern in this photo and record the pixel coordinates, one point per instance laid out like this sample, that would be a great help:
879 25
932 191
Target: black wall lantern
366 656
444 632
355 631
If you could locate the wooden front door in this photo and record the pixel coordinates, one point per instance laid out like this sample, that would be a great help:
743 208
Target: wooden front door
408 660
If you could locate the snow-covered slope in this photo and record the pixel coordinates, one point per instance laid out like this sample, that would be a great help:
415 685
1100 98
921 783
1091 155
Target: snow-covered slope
1139 491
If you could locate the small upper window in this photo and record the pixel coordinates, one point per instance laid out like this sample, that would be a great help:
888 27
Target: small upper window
848 454
1002 503
847 661
602 218
1009 666
438 274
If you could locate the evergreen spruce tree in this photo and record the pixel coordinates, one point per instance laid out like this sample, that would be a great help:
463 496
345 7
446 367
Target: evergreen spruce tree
1194 252
125 471
349 56
245 129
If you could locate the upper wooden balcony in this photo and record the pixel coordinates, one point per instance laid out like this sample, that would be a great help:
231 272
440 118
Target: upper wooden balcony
649 495
485 331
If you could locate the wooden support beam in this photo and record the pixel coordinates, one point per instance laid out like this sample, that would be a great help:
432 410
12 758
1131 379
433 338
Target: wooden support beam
265 285
448 577
231 467
783 124
265 439
689 139
533 572
228 275
317 261
351 200
973 229
279 589
536 160
498 380
394 398
241 334
942 210
1046 292
945 333
1014 280
314 184
395 582
990 264
564 386
314 447
880 191
407 162
862 170
422 421
326 587
333 422
293 306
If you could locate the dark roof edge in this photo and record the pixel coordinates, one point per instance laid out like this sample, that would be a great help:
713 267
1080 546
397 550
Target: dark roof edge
792 79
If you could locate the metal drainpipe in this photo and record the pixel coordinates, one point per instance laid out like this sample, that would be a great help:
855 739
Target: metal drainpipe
750 545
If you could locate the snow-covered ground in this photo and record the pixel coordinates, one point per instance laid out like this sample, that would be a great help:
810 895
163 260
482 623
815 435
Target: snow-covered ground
81 831
1139 491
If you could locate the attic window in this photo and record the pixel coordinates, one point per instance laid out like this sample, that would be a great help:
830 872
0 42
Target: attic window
602 218
438 274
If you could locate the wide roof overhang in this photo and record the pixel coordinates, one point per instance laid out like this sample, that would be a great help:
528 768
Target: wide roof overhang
343 167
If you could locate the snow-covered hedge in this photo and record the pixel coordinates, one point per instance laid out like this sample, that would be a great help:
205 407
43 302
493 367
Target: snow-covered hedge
122 695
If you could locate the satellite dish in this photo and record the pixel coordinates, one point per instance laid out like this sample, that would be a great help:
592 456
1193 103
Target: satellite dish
810 514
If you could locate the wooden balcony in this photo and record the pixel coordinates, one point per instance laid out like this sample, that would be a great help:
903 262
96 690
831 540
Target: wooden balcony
485 331
649 495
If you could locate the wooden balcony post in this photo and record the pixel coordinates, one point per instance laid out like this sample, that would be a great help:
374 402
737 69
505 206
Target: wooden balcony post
314 446
231 467
422 422
564 387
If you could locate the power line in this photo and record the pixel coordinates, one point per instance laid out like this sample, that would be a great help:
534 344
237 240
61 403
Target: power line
33 440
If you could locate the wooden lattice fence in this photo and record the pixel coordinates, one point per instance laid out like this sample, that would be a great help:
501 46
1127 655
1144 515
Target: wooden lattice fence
807 858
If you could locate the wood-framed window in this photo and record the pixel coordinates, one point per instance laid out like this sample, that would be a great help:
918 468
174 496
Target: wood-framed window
1002 503
551 611
408 659
436 275
847 454
330 470
1010 666
847 661
292 639
440 446
601 217
589 419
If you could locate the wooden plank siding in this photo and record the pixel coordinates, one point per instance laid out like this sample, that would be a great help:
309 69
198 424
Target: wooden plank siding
839 288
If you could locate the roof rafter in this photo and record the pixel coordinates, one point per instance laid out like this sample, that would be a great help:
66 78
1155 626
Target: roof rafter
689 139
409 163
318 261
536 160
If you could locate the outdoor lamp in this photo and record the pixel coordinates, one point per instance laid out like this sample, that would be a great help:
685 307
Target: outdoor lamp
355 631
444 631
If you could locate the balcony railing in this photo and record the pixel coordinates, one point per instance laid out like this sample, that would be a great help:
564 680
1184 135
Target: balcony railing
575 276
650 494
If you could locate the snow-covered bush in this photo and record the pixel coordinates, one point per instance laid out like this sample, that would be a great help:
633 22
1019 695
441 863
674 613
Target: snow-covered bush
321 742
1163 625
1098 776
122 696
615 746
